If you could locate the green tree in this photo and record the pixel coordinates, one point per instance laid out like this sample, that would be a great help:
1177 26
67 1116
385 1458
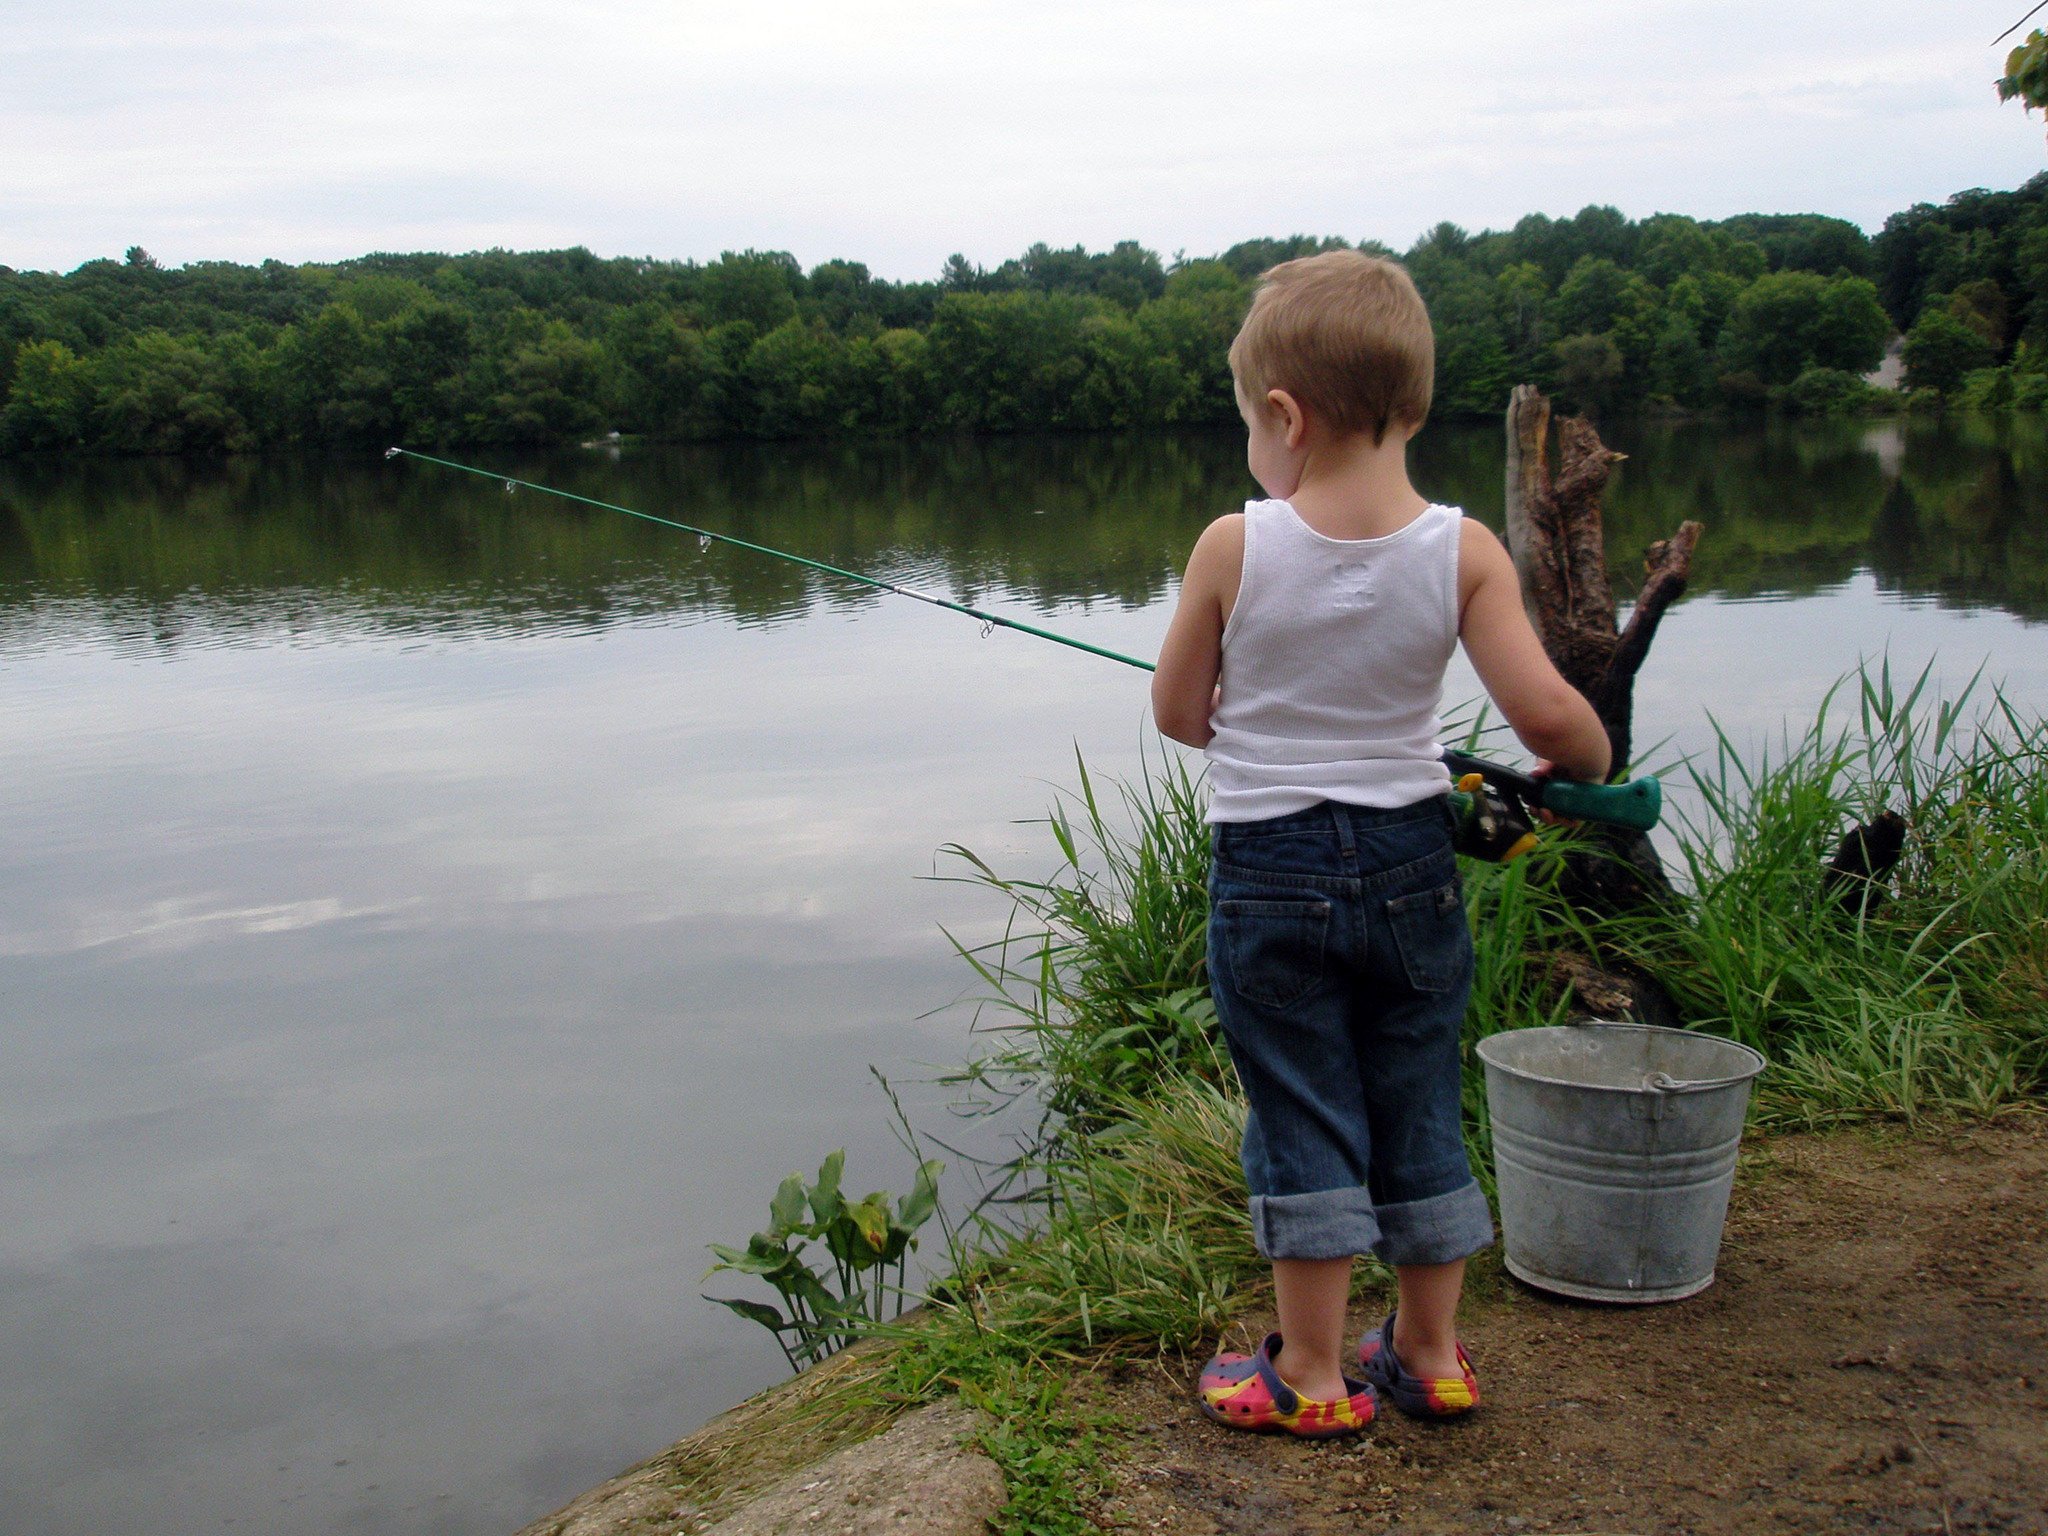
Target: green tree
1786 322
172 394
1982 305
2026 73
1769 332
1125 380
756 287
550 389
1850 332
1193 324
1520 292
1006 361
1474 371
1249 258
1672 246
51 402
839 293
1829 392
336 389
1681 367
1591 297
1589 370
888 381
1940 350
793 379
428 351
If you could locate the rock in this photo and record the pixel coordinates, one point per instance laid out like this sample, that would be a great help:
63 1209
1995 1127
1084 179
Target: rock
632 1502
915 1479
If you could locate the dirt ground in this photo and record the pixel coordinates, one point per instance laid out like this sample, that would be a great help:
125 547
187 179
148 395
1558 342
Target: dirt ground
1872 1358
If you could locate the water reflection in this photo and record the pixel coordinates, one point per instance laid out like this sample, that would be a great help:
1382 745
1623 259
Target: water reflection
1955 511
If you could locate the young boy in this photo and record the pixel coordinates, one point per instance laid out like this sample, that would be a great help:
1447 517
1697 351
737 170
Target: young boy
1307 655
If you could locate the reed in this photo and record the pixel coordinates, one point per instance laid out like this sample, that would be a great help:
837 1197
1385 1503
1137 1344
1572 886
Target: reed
1930 1002
1098 988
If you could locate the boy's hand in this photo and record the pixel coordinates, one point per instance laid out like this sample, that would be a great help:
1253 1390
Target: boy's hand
1543 772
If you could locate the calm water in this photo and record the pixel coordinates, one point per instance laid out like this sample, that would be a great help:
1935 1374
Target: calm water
428 917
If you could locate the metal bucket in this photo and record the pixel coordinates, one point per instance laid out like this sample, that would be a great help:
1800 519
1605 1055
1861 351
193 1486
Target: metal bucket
1614 1153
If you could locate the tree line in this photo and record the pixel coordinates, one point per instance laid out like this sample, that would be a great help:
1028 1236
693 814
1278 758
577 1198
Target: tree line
1664 313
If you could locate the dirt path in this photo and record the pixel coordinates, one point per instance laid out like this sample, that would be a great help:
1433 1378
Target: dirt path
1873 1358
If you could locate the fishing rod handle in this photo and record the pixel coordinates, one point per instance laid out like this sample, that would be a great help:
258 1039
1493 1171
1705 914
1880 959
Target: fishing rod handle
1635 805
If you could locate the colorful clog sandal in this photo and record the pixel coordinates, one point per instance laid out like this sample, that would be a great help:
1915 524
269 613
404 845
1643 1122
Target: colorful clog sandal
1440 1397
1246 1392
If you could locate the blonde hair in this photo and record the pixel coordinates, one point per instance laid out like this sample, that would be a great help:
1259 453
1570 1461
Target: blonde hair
1347 335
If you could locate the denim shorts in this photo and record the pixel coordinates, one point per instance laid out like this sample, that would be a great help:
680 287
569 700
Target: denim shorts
1341 961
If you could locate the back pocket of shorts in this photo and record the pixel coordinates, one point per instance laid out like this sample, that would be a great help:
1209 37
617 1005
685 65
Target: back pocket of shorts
1429 930
1269 952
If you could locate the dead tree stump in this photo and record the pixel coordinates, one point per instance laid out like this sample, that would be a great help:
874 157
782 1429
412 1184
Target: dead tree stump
1559 546
1558 541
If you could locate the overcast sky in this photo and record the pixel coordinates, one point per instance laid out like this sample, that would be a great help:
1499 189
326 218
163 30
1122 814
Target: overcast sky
898 131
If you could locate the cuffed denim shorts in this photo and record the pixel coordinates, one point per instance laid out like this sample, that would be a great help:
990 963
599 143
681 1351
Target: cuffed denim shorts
1341 961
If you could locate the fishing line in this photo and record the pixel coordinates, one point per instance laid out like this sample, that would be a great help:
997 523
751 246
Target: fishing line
1635 804
995 620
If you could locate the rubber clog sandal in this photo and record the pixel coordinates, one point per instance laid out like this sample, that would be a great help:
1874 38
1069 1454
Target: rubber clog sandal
1441 1397
1246 1392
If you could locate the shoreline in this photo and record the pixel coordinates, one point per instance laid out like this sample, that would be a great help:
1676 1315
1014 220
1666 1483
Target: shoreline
1843 1316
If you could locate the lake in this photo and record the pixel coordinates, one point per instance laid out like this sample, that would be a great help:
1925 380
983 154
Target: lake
428 915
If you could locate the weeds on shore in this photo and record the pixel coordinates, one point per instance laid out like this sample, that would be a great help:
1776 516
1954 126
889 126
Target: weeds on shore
1097 990
1930 1001
1122 1225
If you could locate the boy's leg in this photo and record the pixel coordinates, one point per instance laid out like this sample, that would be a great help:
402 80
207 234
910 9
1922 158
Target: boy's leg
1283 938
1425 1319
1313 1295
1431 1213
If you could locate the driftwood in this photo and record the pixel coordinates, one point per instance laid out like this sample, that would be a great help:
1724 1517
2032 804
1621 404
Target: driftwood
1559 545
1614 988
1556 537
1560 550
1855 877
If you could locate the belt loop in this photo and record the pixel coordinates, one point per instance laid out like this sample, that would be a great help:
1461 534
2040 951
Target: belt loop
1347 844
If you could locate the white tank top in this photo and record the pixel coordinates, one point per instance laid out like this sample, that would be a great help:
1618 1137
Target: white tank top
1333 666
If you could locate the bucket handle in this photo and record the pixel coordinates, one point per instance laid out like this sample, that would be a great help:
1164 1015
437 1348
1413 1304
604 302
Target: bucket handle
1664 1082
1660 1088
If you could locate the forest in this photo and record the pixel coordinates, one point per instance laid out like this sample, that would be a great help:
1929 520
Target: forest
1666 314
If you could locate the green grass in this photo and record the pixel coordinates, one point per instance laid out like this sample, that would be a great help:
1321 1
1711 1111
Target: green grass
1123 1228
1932 1003
1097 990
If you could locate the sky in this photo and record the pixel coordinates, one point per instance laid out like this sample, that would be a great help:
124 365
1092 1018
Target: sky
897 132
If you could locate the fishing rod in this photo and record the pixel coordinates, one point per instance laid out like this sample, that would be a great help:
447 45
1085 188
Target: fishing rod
1495 802
917 594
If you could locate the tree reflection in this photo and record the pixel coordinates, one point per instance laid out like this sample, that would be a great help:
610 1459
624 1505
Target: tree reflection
1950 510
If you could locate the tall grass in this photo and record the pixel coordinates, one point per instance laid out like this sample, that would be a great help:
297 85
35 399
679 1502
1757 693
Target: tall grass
1932 1002
1098 988
1122 1223
1140 1229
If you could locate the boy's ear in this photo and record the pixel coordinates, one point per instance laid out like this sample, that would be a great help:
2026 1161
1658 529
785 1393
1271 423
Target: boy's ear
1292 417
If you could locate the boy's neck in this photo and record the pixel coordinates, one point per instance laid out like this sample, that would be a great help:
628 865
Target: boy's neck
1352 487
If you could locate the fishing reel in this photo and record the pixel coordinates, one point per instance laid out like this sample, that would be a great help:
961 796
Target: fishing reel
1492 824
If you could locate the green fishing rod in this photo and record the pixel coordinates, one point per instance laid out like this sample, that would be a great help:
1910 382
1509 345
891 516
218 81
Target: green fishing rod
1496 801
918 594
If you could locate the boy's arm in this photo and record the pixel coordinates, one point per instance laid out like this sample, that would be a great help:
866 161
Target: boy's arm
1551 717
1191 656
